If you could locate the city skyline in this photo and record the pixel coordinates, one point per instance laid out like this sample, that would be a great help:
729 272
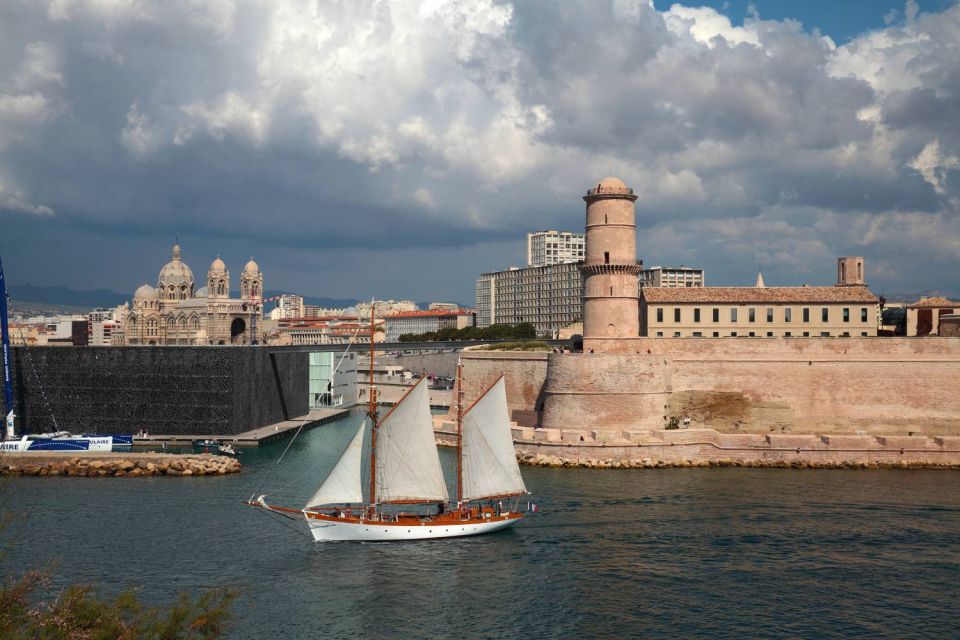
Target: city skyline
346 164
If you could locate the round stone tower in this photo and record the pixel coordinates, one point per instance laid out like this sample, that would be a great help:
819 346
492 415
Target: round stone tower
610 288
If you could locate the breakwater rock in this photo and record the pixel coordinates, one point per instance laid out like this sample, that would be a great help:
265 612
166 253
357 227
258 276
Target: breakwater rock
117 465
546 460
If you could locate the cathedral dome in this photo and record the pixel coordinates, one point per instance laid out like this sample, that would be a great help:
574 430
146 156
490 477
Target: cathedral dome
218 265
251 267
176 271
144 292
202 292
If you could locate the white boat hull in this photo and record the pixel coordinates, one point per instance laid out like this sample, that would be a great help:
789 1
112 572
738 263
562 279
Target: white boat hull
371 531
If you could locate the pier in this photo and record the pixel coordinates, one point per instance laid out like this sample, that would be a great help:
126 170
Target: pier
254 437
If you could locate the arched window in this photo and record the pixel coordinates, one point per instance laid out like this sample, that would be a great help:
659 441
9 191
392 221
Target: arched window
222 288
183 292
171 323
195 323
183 322
172 292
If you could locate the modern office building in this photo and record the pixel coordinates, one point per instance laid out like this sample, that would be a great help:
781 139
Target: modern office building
545 248
549 297
333 379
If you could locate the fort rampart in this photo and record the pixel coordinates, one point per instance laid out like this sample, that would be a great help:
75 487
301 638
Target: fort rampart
877 386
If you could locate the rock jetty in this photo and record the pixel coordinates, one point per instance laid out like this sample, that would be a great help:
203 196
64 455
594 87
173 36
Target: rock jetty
130 465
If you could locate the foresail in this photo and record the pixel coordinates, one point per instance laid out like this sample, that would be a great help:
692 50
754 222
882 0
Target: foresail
343 486
408 465
489 462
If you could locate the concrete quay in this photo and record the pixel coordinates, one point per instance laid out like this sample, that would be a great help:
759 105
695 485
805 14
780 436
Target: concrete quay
115 464
614 449
252 438
708 448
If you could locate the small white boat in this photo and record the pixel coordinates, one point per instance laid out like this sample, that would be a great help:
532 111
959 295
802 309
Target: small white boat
227 449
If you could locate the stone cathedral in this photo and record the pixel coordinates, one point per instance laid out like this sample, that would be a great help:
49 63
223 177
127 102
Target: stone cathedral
177 313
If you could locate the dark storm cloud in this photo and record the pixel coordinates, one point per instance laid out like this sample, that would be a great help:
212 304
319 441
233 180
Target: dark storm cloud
350 146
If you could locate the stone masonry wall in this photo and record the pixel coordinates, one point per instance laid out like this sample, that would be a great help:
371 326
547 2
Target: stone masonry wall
793 385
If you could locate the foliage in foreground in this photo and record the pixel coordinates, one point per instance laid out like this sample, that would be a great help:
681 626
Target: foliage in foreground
76 613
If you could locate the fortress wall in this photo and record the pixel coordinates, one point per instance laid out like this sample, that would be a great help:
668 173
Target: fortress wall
596 391
526 374
787 385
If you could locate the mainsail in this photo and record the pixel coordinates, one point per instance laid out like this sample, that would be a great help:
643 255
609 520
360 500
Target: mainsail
490 466
342 486
408 465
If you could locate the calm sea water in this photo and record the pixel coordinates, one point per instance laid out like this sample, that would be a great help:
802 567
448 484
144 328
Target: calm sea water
638 553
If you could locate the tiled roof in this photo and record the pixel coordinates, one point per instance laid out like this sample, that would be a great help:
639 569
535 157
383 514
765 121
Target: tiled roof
757 295
938 302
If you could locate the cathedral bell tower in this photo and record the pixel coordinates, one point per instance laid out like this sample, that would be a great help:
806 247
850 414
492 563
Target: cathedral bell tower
611 301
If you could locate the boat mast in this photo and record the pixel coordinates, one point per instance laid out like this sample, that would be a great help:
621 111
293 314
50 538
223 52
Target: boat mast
7 369
372 413
459 433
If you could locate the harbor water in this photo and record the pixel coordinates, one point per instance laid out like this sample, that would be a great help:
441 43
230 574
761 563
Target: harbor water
638 553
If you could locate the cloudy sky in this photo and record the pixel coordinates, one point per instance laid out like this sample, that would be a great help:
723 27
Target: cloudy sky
399 149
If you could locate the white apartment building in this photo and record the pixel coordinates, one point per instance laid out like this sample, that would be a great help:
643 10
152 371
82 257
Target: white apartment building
288 306
671 277
417 322
545 248
550 297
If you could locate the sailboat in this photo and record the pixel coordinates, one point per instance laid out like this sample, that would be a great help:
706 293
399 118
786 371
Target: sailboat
405 477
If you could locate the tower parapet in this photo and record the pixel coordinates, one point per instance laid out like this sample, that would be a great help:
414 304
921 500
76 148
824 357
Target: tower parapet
610 269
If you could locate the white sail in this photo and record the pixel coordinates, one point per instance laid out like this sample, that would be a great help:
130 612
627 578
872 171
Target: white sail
489 462
408 465
343 486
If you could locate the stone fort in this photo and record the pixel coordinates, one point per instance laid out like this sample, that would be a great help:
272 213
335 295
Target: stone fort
623 381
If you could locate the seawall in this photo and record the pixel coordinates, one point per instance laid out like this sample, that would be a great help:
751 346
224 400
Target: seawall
878 386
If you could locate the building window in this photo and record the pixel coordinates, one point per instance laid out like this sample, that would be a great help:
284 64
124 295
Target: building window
788 314
863 334
825 314
676 334
752 334
659 334
769 314
786 334
716 315
806 314
863 314
697 334
676 314
716 334
733 334
824 334
606 257
751 315
769 334
806 334
845 334
733 315
696 315
659 315
846 314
